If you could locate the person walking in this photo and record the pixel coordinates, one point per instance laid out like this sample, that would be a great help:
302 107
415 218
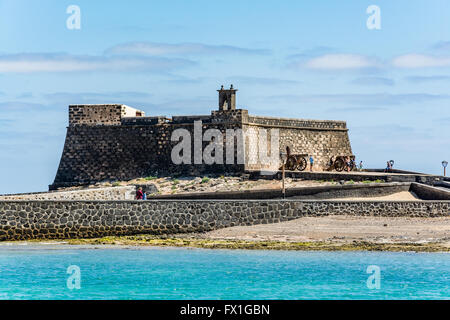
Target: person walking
311 163
144 196
139 194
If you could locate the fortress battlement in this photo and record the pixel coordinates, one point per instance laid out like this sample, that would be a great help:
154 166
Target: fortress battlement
117 114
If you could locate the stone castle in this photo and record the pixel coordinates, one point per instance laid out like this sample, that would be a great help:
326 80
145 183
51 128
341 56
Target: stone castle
117 142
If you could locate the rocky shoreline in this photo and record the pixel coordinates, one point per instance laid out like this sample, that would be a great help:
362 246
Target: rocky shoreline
329 233
155 241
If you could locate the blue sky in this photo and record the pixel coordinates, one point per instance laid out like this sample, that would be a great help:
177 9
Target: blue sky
302 59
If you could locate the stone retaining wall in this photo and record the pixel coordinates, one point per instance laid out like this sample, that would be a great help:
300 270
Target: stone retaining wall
303 193
430 193
113 193
346 176
23 220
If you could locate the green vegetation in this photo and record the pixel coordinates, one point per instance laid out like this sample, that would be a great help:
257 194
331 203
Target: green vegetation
116 184
376 181
149 178
175 182
205 180
326 180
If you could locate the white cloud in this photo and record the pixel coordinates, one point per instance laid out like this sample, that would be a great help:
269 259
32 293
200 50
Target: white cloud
131 98
48 62
414 60
341 62
132 57
362 100
261 80
160 49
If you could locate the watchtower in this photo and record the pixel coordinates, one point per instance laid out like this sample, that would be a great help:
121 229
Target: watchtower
227 99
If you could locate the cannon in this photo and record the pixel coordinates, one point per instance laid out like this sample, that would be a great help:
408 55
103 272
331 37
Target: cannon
341 163
295 161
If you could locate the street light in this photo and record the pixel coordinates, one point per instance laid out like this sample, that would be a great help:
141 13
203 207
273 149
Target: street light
444 164
283 156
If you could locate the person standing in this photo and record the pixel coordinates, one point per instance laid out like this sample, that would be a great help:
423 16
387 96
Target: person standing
311 163
388 167
144 195
139 194
331 161
360 166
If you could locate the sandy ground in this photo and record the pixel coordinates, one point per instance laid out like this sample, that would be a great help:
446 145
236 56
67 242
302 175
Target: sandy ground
169 185
399 196
344 229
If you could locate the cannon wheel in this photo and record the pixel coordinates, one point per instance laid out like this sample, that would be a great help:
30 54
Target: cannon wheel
302 165
290 163
339 165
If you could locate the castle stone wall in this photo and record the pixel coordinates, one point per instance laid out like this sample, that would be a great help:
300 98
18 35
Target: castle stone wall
98 153
101 114
108 153
95 115
297 123
321 144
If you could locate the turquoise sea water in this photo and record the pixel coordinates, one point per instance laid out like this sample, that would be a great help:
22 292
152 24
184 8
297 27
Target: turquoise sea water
40 272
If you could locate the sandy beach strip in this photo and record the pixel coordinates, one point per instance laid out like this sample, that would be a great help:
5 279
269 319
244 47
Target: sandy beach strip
344 229
399 196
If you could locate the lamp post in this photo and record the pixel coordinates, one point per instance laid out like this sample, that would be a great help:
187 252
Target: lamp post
444 164
283 156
